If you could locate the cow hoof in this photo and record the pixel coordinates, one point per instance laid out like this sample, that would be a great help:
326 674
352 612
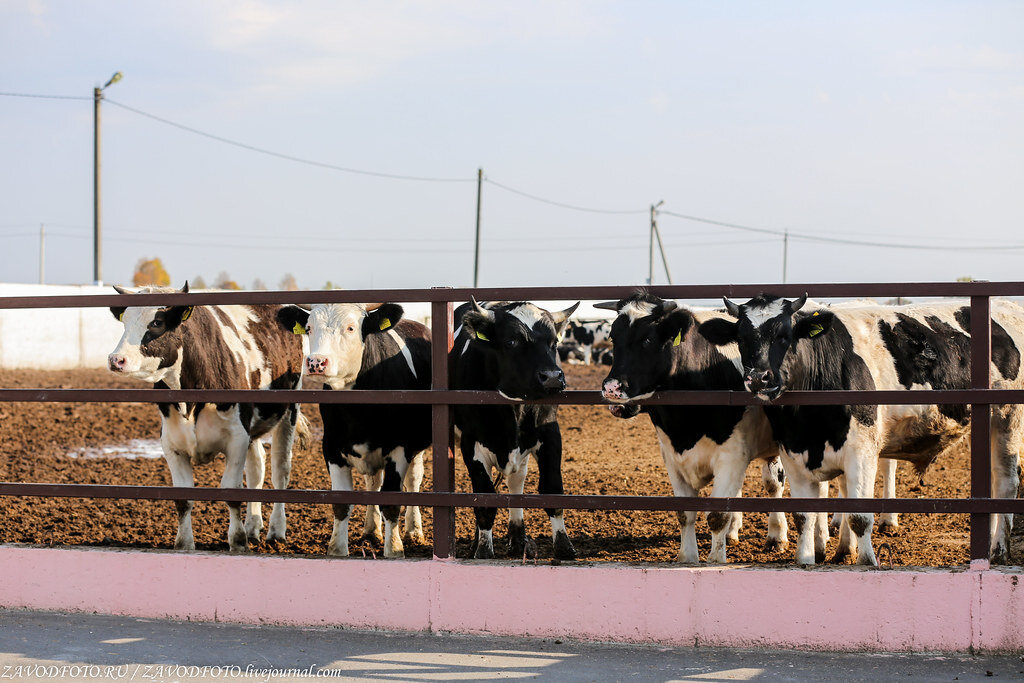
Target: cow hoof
563 547
887 528
275 536
819 556
397 554
774 545
185 546
999 555
373 539
415 537
517 539
484 552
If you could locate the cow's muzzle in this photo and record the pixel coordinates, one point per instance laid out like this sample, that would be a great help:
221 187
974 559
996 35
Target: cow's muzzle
316 365
762 383
551 381
116 362
613 390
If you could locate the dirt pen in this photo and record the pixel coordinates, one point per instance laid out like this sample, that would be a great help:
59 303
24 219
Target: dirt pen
962 606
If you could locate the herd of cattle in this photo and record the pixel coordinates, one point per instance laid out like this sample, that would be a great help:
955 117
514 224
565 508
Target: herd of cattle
765 346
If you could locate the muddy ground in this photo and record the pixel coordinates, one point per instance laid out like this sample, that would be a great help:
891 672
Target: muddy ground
602 455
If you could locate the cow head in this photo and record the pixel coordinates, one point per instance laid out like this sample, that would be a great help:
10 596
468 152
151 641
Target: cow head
767 331
337 334
644 335
151 343
522 339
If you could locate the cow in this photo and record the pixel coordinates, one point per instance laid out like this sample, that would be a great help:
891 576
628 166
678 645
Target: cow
919 346
603 356
510 347
217 347
588 337
570 352
658 347
352 346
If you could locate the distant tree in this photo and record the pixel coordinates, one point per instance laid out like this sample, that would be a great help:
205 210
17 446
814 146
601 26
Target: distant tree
330 285
224 281
965 278
150 272
259 284
289 283
198 283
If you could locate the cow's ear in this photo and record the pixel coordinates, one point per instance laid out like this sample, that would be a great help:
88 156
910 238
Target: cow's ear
719 331
381 319
479 323
810 326
293 318
176 315
676 325
118 312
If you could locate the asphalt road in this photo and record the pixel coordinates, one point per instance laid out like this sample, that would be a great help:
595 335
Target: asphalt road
74 647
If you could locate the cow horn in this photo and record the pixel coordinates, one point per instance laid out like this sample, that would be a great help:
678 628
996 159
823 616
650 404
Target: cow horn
668 306
608 305
480 309
560 317
799 303
121 290
373 307
184 290
732 307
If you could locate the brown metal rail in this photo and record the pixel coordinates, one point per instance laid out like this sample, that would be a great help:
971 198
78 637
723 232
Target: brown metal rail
444 500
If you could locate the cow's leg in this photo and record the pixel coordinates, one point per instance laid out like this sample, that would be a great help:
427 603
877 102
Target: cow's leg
178 440
255 471
413 481
341 480
728 483
394 473
549 466
836 521
281 470
847 542
234 466
888 521
516 481
688 552
821 525
774 478
860 471
371 522
806 523
473 454
1005 439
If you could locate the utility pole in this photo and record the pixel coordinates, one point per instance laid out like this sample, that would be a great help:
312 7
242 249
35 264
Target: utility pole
656 234
42 253
476 254
97 242
785 255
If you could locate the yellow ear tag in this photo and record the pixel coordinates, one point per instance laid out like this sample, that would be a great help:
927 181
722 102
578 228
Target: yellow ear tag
679 338
816 329
185 316
385 324
298 329
121 317
481 336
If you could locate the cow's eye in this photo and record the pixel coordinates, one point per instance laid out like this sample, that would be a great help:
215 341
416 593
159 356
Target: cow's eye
350 328
511 343
156 324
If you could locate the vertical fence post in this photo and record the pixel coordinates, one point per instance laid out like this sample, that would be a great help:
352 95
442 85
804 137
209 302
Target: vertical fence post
443 459
981 420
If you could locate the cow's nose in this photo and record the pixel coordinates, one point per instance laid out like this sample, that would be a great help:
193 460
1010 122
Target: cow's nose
551 379
758 379
612 388
316 365
116 362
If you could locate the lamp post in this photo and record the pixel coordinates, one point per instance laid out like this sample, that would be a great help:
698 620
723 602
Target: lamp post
97 251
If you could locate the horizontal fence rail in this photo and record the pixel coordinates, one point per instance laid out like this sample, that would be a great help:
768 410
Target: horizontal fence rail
444 500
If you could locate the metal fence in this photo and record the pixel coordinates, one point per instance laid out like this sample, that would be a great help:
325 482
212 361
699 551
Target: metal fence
444 500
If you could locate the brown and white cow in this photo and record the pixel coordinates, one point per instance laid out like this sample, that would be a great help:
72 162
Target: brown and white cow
217 347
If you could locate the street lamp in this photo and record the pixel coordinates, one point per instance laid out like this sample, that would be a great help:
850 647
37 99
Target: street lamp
97 257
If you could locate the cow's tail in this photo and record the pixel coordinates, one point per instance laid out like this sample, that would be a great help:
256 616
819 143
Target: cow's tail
303 432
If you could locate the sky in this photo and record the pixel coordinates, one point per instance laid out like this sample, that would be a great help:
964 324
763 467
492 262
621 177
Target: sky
340 141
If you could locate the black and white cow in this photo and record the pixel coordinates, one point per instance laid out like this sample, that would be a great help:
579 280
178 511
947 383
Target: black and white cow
351 347
510 347
918 346
217 347
588 337
658 347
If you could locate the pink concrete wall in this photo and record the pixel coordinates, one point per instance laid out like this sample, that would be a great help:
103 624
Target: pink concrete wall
836 609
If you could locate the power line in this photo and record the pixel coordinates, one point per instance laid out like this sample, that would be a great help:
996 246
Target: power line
839 240
560 204
288 157
44 97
